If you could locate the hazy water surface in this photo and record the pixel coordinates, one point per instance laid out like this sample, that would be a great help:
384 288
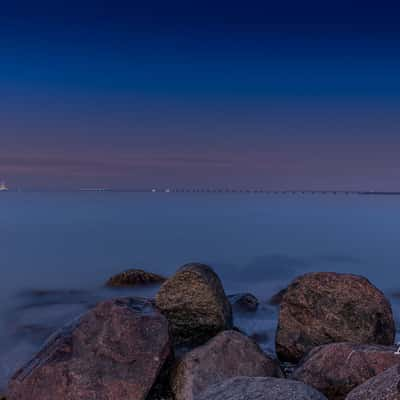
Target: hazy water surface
58 249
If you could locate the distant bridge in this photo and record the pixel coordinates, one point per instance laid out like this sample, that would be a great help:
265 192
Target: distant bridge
271 192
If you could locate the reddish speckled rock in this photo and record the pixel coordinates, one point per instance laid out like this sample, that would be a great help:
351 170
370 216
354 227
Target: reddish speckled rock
327 307
385 386
336 369
115 351
227 355
276 299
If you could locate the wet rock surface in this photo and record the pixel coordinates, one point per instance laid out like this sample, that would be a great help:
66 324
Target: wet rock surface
111 352
229 354
336 369
385 386
195 304
244 388
33 315
244 302
122 349
276 299
134 277
321 308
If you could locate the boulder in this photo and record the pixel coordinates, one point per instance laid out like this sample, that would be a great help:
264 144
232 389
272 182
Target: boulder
245 388
276 299
335 369
385 386
327 307
227 355
195 304
134 277
115 351
244 302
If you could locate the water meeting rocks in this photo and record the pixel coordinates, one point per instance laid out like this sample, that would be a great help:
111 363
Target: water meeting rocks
327 307
244 388
244 302
336 369
112 352
276 299
385 386
134 277
195 304
229 354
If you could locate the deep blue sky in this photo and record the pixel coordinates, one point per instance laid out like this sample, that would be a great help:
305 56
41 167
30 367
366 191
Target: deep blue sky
131 94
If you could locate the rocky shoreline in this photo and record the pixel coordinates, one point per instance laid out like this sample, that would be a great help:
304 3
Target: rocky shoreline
334 340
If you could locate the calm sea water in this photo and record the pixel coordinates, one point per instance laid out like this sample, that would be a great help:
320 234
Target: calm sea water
58 249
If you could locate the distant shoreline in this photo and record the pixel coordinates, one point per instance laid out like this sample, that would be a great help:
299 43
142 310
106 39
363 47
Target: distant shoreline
215 191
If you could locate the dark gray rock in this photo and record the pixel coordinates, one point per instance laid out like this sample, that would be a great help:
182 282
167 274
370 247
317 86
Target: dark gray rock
244 302
244 388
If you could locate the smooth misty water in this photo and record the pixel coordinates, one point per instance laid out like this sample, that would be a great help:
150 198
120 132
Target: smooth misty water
58 249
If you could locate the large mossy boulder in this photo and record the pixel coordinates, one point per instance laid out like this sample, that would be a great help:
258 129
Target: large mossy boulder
195 304
336 369
134 277
385 386
115 351
327 307
244 388
229 354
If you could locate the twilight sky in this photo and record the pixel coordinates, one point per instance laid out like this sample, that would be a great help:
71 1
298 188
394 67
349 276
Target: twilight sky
128 94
